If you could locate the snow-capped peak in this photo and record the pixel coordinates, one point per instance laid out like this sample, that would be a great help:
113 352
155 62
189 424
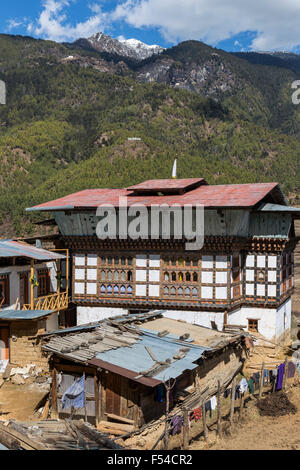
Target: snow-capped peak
132 48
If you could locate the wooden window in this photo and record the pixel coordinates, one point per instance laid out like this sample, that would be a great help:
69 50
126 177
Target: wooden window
167 277
195 277
44 283
180 277
174 277
4 290
188 277
253 325
261 276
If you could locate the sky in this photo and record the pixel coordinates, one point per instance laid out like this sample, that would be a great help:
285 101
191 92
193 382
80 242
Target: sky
233 25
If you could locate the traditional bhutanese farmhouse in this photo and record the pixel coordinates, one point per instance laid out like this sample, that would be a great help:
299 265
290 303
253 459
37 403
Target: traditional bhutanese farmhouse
242 275
128 359
33 291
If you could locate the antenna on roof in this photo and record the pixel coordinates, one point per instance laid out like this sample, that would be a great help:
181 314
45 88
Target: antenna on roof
174 172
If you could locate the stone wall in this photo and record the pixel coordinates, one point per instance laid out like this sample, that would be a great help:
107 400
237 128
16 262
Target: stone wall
25 348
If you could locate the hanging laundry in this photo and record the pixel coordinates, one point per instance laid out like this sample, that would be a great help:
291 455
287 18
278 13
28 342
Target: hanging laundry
176 423
266 377
74 396
227 392
213 403
208 408
197 414
256 377
243 385
281 369
251 385
237 392
298 367
160 394
291 370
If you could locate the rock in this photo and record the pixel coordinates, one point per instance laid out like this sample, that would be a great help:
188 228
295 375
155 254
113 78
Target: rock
141 442
41 379
17 380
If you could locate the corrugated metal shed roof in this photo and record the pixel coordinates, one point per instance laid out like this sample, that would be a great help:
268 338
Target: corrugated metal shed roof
10 315
121 348
164 348
235 195
11 249
279 208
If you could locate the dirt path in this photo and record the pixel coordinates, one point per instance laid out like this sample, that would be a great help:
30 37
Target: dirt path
256 432
19 401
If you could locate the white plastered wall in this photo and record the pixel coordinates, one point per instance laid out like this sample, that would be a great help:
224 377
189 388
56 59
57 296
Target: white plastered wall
284 318
197 318
272 323
92 314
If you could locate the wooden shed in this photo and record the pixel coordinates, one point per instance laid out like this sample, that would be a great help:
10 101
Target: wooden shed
126 366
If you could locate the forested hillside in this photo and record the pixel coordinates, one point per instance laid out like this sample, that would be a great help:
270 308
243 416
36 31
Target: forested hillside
67 122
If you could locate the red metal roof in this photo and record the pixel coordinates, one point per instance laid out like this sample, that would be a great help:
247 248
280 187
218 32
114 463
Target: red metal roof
168 185
232 195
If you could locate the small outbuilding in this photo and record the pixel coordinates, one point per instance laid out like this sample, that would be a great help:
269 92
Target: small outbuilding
128 360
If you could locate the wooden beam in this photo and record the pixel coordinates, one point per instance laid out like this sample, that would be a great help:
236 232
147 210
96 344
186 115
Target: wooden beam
31 285
54 411
119 418
232 400
97 399
14 439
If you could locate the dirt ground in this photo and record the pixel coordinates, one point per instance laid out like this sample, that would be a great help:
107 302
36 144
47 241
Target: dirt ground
19 401
255 432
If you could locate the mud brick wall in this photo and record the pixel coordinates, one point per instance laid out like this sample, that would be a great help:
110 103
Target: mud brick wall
221 366
25 348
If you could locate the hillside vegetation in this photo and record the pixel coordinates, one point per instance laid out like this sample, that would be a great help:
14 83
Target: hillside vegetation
66 124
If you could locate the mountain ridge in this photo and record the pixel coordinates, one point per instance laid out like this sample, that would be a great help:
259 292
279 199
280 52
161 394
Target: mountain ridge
71 112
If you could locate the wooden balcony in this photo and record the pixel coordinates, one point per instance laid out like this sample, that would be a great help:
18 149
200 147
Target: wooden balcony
58 301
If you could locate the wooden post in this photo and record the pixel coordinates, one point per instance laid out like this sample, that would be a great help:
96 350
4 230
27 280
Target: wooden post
219 408
67 272
31 285
186 437
166 438
58 275
261 382
97 398
285 373
242 405
54 413
205 430
232 400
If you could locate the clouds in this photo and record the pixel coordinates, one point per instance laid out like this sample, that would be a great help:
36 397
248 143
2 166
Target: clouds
52 22
276 23
270 24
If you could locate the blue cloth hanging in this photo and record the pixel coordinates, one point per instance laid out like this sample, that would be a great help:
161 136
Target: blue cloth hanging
74 396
